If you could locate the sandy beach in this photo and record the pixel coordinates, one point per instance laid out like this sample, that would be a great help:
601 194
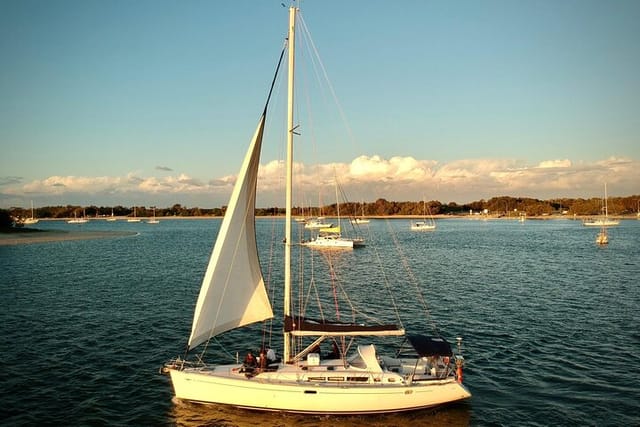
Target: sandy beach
44 236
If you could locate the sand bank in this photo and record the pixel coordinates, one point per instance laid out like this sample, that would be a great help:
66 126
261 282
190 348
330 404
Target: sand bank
45 236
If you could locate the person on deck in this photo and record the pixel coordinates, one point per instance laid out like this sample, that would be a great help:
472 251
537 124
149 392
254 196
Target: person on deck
335 352
250 360
262 359
271 355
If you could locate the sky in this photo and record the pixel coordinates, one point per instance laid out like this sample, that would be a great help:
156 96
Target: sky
154 102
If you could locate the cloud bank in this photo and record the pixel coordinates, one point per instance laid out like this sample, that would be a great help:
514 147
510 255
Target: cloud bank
365 178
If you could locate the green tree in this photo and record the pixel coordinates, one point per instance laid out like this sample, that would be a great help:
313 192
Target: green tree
6 220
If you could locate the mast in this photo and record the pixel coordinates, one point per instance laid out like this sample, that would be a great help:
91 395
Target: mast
289 183
606 208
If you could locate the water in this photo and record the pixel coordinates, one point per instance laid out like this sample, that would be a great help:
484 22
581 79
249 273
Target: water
549 320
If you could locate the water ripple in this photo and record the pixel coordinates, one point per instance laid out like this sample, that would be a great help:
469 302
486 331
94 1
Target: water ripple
549 322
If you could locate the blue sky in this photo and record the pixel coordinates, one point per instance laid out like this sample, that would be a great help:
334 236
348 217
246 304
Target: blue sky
154 102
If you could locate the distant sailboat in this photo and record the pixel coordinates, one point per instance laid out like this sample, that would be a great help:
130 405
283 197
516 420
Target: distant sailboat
153 220
332 237
33 219
77 220
317 223
604 221
361 219
427 224
112 217
135 216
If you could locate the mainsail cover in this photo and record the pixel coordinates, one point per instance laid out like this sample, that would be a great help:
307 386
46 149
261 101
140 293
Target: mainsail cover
233 293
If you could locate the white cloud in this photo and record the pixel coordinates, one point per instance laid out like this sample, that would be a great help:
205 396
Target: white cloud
555 164
365 178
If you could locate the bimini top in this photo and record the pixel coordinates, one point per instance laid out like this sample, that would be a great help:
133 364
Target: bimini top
430 346
301 326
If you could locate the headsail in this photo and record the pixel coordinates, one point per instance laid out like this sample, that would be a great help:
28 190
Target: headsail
233 293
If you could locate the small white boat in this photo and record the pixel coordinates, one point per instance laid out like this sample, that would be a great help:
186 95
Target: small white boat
112 217
77 220
604 221
317 223
601 222
331 238
361 219
153 220
32 220
427 224
135 216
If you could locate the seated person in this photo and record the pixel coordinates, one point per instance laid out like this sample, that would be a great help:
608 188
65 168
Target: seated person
262 359
335 352
271 355
250 360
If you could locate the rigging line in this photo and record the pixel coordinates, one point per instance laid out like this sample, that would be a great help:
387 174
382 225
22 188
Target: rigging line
222 347
387 284
345 122
413 279
354 225
333 281
313 287
275 75
268 324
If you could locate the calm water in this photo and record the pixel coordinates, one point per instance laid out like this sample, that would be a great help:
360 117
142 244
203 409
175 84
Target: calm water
550 322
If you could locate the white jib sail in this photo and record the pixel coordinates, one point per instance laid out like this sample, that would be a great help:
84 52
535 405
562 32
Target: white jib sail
233 292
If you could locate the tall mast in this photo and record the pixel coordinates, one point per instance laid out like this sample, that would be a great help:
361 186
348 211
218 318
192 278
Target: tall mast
606 208
289 184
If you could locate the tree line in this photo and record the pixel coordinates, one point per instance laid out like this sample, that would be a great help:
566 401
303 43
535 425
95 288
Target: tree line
496 206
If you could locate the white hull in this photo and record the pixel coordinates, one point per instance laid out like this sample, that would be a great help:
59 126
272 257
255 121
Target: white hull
329 243
315 225
77 221
360 221
294 390
601 223
31 221
422 226
333 242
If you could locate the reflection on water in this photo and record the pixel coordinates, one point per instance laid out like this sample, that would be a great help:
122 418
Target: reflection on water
187 414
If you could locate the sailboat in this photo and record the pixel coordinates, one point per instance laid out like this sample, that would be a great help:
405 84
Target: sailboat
317 223
33 219
112 217
153 220
135 216
361 219
77 220
332 237
357 380
603 221
427 224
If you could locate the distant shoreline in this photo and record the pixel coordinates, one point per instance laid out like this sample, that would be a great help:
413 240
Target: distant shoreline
512 217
